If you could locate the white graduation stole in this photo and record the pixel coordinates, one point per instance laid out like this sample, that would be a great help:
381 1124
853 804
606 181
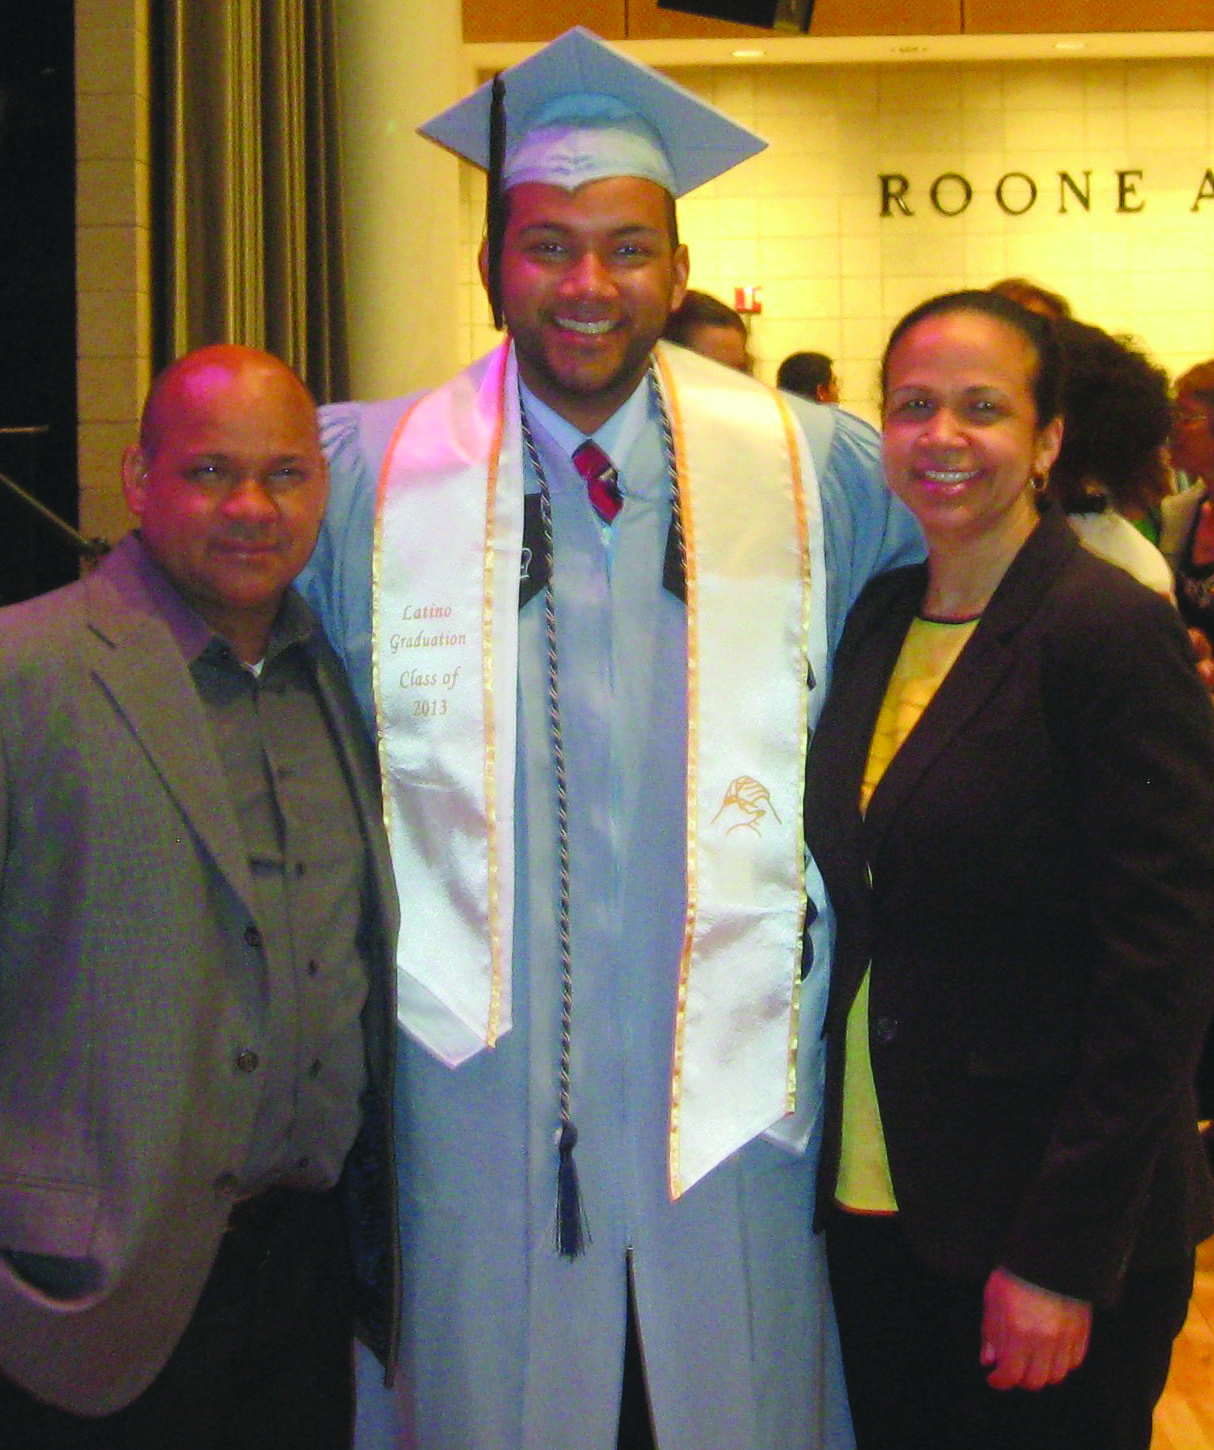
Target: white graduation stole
445 618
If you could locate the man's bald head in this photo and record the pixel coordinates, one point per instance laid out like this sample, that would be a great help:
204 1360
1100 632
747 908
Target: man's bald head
199 369
229 485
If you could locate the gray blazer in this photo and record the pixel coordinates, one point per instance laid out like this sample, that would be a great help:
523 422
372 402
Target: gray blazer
129 982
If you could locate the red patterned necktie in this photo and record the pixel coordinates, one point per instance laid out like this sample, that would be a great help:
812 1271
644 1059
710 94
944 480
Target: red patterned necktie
601 479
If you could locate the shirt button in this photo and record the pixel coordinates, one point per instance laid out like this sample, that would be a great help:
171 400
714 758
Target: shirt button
247 1061
252 937
885 1029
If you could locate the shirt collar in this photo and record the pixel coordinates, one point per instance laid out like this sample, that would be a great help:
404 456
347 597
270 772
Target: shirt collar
615 437
294 624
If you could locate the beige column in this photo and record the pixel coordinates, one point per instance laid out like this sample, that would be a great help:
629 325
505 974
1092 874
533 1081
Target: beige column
398 64
113 248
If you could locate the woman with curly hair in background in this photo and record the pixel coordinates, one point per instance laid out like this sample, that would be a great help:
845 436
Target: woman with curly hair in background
1111 473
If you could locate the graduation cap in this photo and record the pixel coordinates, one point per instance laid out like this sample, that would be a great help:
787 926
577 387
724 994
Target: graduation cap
578 111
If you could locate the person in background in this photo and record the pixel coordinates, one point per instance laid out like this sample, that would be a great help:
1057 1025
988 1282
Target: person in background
197 918
1033 296
810 375
1111 471
711 328
1011 798
1187 534
603 686
1187 543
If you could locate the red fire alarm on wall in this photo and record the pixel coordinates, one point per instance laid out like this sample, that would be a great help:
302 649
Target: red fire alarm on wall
748 300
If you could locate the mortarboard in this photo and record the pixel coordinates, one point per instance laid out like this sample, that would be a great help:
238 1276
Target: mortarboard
579 111
580 83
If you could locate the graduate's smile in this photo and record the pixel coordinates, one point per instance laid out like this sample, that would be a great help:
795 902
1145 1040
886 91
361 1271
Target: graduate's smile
585 329
588 280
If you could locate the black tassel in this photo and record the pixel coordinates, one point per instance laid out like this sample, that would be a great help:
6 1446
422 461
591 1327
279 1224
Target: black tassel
572 1230
495 206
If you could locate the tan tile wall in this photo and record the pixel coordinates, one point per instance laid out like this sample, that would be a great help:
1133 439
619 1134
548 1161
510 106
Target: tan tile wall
113 329
803 219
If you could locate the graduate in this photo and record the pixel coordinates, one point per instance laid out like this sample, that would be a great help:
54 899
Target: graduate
588 592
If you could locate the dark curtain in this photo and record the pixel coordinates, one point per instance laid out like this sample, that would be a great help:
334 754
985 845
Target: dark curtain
247 201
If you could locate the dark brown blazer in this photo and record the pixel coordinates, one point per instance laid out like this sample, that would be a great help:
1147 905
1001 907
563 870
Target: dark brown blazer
1033 884
129 982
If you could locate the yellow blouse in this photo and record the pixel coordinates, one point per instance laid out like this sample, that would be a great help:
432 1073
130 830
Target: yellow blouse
928 653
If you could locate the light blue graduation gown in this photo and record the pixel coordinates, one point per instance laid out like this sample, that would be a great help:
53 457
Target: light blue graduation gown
506 1345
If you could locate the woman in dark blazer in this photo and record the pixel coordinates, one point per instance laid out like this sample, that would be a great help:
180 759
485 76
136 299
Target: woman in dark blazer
1011 1178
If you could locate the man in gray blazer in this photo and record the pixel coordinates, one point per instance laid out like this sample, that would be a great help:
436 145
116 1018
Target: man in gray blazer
196 929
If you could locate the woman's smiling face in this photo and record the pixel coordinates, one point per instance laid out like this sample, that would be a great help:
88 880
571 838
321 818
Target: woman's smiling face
961 438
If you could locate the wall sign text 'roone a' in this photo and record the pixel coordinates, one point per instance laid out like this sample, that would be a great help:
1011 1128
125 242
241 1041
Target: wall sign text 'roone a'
1016 192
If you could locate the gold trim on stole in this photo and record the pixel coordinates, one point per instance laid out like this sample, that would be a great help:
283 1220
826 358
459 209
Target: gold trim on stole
686 510
798 485
691 811
491 814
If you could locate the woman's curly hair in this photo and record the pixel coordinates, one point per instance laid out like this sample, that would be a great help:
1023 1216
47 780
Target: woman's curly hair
1117 411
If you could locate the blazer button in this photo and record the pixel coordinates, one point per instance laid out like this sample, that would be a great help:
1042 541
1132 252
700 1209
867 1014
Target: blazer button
885 1029
247 1061
252 937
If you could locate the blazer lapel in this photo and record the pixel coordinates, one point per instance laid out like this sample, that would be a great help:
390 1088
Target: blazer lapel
137 663
834 827
973 679
979 672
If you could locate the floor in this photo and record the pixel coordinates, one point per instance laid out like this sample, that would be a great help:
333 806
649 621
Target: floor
1184 1417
